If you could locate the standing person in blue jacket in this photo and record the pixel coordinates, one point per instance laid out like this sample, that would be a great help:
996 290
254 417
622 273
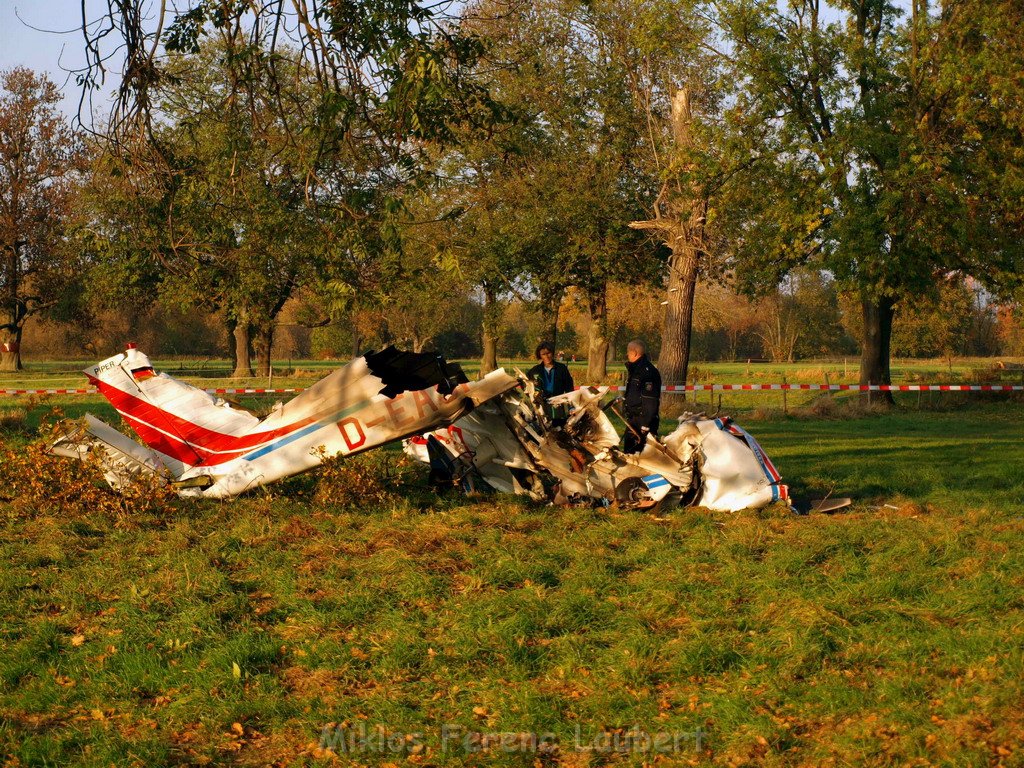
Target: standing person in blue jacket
643 397
551 378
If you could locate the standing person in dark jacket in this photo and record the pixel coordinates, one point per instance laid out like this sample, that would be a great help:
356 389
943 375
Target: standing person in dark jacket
643 397
551 378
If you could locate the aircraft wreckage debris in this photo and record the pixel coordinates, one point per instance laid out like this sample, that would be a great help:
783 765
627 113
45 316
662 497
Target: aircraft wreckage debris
490 434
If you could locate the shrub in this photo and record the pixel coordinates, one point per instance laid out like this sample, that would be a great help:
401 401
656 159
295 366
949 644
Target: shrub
372 478
35 482
13 420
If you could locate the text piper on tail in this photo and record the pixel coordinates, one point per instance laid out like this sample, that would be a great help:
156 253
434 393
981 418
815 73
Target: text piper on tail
205 447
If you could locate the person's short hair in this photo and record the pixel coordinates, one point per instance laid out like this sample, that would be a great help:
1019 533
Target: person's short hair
637 346
542 346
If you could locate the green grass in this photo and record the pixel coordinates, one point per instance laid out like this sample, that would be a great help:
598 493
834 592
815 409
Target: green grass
844 370
889 635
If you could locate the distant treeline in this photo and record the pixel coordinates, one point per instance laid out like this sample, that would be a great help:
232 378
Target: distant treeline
806 318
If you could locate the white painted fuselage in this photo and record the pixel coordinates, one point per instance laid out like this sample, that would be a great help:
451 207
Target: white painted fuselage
208 448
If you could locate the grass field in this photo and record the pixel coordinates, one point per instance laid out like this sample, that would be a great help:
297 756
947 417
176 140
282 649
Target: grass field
68 372
352 616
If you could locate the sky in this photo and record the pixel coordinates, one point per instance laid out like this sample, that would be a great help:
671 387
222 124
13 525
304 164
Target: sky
45 36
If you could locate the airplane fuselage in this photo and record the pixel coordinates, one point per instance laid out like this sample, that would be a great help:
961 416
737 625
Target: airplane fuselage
207 448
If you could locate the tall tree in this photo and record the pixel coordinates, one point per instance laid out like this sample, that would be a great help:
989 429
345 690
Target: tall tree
39 160
858 159
483 234
223 204
967 61
575 164
382 83
680 221
631 76
493 234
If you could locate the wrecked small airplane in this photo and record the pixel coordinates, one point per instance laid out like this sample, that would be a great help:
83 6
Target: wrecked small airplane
206 447
491 434
510 445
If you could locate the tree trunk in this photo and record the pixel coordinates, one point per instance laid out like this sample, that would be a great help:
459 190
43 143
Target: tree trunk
874 359
243 359
680 214
677 328
597 347
230 324
551 303
357 344
10 350
263 342
492 312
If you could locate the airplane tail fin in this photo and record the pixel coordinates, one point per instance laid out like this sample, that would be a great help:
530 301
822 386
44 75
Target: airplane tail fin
184 425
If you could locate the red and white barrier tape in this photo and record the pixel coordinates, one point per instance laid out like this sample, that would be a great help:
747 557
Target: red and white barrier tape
256 391
86 391
671 388
93 391
838 387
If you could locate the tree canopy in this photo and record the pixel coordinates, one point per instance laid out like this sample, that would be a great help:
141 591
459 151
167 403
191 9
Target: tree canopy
864 153
374 156
39 161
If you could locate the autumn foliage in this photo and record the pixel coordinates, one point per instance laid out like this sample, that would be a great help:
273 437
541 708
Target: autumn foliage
35 482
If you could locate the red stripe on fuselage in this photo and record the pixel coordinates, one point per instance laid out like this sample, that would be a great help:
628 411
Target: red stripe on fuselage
175 447
194 435
168 445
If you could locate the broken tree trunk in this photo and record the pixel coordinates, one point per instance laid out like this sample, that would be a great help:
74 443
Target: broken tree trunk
680 213
597 346
685 239
677 326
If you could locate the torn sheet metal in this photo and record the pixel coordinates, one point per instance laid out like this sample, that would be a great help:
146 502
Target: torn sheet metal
488 434
704 462
206 447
